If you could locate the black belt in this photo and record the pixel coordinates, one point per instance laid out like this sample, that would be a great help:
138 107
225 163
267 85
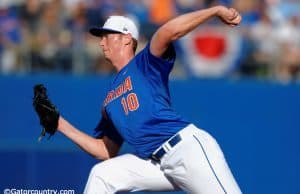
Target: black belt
162 151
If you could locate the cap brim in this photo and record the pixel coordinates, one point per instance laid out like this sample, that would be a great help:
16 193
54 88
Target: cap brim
96 31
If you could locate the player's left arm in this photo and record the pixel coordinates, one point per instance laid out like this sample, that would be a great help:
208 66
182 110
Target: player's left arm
101 148
183 24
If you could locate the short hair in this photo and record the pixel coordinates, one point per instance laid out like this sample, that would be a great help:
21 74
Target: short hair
134 44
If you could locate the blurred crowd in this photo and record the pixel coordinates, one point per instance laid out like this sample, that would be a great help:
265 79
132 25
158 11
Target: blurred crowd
52 36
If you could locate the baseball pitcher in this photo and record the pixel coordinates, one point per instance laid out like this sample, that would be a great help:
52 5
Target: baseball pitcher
170 152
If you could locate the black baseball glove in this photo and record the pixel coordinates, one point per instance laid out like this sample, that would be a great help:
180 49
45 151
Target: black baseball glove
47 112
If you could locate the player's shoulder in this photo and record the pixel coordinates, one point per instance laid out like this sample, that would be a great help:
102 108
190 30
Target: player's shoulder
146 52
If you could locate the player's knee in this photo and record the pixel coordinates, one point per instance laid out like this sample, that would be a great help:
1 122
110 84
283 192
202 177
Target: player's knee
100 170
102 176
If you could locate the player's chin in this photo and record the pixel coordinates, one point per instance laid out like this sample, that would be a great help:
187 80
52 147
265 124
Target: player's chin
106 55
108 59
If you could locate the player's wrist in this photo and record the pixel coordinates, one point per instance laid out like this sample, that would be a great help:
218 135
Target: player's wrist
61 124
220 10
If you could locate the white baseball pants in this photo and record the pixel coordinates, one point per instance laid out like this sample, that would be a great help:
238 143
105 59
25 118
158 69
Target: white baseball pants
195 165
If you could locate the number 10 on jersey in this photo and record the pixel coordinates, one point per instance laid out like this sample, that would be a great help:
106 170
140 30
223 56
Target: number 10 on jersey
130 103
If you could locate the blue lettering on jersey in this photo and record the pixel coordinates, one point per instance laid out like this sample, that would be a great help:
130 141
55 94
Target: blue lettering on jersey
138 107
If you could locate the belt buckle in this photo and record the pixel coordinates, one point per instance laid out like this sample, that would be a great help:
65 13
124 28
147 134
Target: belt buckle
159 153
153 157
162 151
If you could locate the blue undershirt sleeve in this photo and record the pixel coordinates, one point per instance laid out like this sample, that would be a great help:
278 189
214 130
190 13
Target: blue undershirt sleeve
106 128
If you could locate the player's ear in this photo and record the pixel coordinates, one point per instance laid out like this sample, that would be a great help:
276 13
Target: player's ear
127 39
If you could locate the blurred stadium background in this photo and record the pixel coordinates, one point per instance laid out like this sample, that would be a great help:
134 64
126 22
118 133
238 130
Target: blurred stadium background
242 86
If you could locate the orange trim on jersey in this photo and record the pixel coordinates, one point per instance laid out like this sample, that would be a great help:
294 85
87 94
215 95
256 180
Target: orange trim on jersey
133 103
127 84
119 91
123 88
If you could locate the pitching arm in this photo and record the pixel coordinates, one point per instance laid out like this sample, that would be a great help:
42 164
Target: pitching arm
102 149
183 24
